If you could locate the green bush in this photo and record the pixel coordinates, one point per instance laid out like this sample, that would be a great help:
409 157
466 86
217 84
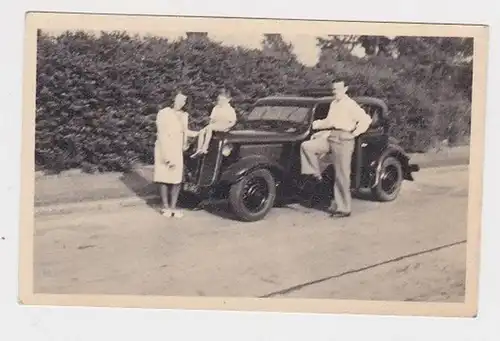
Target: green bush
97 97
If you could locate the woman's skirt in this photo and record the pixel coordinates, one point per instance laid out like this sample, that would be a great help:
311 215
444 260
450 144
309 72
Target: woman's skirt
167 174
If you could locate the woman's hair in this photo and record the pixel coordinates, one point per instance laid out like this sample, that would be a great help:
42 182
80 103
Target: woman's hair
224 92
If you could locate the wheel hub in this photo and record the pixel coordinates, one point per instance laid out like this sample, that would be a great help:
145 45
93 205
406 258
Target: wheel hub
389 179
255 194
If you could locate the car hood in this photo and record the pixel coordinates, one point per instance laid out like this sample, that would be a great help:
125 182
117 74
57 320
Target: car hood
255 135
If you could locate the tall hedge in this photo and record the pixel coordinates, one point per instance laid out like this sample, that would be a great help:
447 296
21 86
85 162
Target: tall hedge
97 97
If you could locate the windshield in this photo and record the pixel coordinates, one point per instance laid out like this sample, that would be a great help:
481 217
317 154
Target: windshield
276 116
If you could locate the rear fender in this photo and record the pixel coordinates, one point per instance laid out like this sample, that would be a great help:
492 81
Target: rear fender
238 170
400 154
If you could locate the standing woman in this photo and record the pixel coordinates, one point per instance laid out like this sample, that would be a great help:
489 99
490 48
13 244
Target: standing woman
172 136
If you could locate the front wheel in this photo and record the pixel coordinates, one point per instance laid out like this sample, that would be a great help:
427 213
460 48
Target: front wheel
390 180
252 197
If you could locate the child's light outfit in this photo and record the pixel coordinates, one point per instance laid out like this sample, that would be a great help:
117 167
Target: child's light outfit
222 118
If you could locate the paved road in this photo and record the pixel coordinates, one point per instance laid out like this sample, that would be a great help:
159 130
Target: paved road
410 249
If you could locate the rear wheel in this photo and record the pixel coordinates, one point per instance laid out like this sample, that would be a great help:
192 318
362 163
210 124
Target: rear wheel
390 180
252 197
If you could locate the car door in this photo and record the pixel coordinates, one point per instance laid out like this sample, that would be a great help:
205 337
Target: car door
319 110
368 146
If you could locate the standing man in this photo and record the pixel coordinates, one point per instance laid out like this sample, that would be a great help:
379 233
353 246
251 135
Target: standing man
345 121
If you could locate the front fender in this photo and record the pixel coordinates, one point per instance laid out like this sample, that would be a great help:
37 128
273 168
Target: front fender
398 152
238 170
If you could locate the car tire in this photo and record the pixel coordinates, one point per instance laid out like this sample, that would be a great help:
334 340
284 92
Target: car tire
390 180
257 188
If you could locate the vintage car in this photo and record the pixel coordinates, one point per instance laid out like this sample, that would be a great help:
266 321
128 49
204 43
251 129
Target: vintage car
256 165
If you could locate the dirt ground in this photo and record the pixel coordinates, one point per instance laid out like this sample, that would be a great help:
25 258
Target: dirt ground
411 249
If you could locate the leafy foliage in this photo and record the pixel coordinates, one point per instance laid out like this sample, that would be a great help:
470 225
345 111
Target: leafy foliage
428 87
97 96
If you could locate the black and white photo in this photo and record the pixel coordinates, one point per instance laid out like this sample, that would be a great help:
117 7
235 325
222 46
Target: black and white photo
251 164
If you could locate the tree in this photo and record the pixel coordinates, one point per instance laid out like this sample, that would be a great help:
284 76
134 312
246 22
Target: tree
197 35
273 45
97 96
335 48
377 45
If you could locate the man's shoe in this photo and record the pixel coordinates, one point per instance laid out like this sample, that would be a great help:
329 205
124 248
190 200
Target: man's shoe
340 214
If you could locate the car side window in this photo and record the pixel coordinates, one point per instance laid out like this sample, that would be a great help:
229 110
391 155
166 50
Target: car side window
321 111
375 113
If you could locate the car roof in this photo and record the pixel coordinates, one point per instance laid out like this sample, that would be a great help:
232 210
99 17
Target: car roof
311 101
286 99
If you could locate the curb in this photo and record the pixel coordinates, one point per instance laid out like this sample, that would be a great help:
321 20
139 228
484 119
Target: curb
88 206
464 161
109 204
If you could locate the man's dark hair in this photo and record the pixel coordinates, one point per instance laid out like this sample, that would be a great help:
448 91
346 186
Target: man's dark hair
339 80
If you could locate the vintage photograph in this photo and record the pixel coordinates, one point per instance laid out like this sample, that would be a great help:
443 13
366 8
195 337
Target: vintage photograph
252 164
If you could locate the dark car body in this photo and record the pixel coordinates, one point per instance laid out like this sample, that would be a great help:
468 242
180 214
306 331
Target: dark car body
267 141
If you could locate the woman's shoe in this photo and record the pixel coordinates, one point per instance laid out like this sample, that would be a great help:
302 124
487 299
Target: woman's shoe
166 212
177 214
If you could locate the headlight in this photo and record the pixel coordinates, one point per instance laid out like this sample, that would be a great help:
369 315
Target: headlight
227 149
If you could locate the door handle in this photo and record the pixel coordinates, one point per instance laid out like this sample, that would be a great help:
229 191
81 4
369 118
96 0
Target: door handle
364 144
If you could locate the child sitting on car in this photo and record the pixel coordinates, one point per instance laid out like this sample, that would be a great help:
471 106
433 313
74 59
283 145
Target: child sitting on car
222 118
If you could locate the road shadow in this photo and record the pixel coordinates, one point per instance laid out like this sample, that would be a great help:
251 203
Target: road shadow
313 197
320 196
364 194
142 187
149 191
220 209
